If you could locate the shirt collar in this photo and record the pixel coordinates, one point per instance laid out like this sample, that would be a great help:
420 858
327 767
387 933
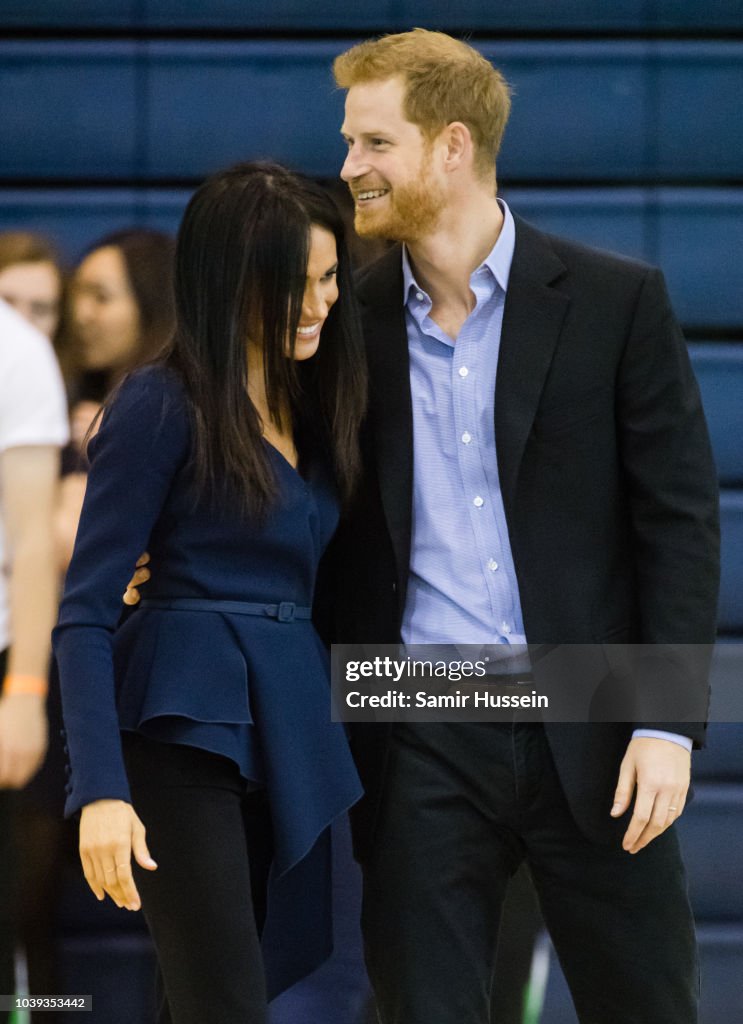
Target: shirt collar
498 261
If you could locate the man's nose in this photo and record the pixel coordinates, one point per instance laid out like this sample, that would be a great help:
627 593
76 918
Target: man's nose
353 165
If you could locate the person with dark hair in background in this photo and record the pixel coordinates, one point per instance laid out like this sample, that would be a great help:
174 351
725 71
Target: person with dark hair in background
537 469
122 300
120 314
205 719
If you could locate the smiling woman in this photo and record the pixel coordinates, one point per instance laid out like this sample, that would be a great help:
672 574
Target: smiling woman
320 294
206 717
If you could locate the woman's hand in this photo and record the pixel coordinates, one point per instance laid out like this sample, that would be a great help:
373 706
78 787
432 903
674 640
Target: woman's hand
110 832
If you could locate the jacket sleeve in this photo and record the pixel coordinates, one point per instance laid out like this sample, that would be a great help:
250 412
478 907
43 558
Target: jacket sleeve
673 497
142 443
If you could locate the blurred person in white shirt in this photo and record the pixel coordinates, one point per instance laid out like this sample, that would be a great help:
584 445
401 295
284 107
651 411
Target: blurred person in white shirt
33 428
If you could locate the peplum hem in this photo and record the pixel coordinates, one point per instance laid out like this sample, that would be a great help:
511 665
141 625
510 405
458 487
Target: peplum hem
247 689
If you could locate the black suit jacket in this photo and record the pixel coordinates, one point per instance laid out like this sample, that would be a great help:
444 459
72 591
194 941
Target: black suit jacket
607 477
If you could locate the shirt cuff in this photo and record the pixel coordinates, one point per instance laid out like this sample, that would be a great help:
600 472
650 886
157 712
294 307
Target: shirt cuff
656 734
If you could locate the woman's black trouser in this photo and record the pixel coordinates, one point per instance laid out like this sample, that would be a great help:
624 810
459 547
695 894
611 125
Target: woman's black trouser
209 833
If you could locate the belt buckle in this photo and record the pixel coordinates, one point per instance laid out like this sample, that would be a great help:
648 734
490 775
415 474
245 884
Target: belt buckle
285 612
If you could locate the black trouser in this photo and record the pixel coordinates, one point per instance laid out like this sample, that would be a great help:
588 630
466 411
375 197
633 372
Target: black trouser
205 903
463 805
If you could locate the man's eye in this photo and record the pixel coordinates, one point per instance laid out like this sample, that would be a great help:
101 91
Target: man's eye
379 142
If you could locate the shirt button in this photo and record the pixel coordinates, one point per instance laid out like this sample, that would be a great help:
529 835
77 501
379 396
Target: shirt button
506 628
466 437
463 371
478 502
492 565
419 296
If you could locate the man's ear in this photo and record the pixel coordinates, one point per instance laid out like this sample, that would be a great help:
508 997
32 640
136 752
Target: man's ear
457 139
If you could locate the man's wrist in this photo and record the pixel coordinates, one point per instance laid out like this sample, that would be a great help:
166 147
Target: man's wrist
661 734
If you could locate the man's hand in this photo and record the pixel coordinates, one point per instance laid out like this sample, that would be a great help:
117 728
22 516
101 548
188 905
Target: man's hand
110 832
141 575
23 738
659 770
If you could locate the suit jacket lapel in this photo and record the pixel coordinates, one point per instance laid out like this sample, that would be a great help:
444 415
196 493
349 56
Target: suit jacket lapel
380 293
532 320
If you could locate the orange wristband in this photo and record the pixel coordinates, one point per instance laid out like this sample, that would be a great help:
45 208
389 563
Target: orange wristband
18 683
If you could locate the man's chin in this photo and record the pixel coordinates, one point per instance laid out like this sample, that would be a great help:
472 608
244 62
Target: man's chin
370 227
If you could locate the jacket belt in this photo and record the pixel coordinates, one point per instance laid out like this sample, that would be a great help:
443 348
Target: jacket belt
285 611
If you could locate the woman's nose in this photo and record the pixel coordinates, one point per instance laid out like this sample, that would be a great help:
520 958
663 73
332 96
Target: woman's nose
314 307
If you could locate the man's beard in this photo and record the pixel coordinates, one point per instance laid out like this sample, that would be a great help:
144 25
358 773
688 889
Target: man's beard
409 212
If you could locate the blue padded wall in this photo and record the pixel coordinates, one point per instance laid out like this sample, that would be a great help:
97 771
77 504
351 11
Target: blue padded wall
73 13
695 91
715 883
693 234
721 760
76 217
69 110
210 104
387 14
719 371
699 235
730 616
180 109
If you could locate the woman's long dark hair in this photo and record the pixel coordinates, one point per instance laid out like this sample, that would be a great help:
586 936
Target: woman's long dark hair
241 266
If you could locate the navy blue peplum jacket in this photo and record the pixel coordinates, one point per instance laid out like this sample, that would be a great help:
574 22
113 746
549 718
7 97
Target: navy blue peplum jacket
251 687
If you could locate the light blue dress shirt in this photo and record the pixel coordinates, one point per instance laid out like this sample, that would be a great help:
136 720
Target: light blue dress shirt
462 587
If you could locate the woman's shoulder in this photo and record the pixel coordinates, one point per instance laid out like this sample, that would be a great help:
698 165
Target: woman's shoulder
153 381
148 408
152 391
